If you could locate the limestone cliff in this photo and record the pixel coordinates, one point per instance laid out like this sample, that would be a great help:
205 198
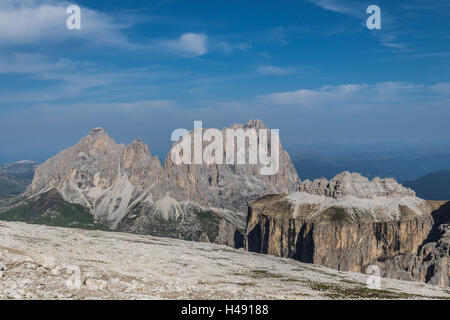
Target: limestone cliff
349 223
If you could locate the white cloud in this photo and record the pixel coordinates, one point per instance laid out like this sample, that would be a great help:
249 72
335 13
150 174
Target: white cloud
72 77
190 44
345 7
277 71
26 63
377 112
357 10
440 6
313 98
229 47
43 22
32 22
381 94
66 78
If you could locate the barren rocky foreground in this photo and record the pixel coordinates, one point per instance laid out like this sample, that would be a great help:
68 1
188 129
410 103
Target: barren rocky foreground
41 262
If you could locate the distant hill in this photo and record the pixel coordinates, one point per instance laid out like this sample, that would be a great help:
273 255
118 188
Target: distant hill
50 209
433 186
15 177
403 165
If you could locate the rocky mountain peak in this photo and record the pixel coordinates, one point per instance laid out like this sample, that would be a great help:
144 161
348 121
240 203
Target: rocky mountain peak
97 141
138 164
112 179
233 185
257 124
354 184
138 147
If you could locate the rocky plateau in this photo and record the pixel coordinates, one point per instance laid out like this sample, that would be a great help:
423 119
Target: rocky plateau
350 223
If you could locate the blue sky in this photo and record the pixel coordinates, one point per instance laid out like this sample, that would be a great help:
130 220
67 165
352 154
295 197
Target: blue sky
141 69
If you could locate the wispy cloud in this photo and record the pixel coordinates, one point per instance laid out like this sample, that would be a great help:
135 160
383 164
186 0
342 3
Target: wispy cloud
278 71
348 7
32 22
230 47
193 44
64 78
388 35
434 5
190 44
383 94
27 63
391 40
376 111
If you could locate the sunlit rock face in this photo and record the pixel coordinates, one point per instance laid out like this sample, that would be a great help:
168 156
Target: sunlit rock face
230 186
99 174
126 188
354 184
350 223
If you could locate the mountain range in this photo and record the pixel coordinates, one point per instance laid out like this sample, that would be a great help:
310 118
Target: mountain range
349 222
15 178
404 164
100 183
433 186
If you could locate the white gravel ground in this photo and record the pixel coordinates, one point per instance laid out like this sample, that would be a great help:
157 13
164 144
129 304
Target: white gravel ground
40 262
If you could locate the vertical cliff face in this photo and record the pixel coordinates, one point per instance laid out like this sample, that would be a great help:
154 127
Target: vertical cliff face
431 262
351 226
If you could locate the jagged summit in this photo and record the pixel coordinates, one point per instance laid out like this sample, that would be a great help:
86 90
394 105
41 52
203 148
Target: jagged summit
354 184
98 134
256 123
139 146
355 198
98 130
234 185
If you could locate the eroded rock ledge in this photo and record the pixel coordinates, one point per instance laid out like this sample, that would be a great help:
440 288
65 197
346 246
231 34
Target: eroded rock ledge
350 223
354 184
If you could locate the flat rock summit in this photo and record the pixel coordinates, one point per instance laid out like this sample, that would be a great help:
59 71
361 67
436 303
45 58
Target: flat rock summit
351 223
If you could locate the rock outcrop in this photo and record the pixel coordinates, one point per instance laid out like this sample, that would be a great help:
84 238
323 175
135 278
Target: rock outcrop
125 188
350 223
354 184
